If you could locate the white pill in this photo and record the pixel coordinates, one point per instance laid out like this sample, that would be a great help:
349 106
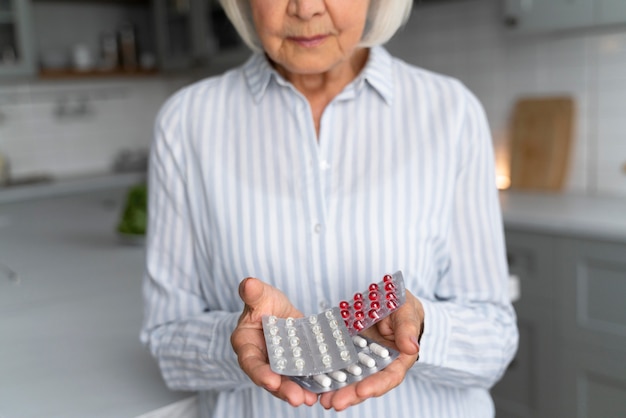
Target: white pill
326 360
354 370
316 329
271 320
313 319
359 341
333 324
294 341
291 331
297 352
319 338
290 321
339 376
281 363
379 350
299 364
323 380
279 351
323 348
345 355
273 330
329 314
366 360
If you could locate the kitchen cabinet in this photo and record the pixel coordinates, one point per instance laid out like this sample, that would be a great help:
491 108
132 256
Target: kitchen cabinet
16 44
592 318
526 391
537 16
571 360
192 32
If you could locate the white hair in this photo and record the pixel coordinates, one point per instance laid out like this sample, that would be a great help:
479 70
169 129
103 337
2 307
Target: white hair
384 18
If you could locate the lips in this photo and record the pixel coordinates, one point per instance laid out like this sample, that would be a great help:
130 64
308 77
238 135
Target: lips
308 41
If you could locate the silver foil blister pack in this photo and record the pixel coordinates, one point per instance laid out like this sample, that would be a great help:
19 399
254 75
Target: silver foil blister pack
371 358
324 352
310 345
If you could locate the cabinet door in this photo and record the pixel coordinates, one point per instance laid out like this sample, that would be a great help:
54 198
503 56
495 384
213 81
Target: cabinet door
176 33
531 259
592 282
16 51
528 16
527 388
593 383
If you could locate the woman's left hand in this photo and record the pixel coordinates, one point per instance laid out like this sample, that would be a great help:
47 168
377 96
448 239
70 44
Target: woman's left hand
401 331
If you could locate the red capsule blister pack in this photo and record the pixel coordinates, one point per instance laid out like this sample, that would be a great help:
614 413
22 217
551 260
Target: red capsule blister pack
373 304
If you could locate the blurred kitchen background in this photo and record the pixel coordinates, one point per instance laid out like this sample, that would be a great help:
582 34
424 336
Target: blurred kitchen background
71 73
81 83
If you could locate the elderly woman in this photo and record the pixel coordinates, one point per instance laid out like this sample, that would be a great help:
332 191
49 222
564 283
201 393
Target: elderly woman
285 185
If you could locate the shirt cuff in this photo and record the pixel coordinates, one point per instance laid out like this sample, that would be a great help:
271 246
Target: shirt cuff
434 343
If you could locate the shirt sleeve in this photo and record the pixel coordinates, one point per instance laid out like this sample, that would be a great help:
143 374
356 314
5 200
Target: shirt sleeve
190 343
470 333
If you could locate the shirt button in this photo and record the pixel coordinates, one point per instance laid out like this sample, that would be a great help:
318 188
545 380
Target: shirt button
317 228
324 305
324 165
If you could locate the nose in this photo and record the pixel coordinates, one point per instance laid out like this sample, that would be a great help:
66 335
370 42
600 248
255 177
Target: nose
306 9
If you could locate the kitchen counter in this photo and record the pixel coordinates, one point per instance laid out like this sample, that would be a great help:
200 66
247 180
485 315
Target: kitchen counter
69 321
566 214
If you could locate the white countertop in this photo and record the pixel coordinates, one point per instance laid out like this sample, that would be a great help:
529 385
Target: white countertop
69 329
566 214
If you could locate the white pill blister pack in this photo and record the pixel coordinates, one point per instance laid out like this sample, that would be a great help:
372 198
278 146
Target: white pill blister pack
371 358
310 345
324 352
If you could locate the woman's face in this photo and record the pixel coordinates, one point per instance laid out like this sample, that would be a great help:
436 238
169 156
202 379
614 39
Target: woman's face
309 36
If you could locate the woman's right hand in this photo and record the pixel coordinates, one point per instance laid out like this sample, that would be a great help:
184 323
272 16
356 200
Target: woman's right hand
248 340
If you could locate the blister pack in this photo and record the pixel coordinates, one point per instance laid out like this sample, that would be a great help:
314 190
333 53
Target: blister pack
311 345
371 358
371 305
323 352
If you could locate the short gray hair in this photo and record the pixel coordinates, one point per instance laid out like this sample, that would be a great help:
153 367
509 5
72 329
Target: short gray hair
384 18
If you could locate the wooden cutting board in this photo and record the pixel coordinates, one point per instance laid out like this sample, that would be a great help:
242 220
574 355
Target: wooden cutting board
541 142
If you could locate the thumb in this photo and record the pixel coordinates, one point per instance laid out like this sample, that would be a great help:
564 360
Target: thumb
251 291
407 324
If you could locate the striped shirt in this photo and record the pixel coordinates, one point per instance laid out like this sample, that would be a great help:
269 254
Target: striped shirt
401 177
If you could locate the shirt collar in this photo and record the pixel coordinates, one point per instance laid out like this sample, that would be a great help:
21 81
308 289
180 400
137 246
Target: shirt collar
377 73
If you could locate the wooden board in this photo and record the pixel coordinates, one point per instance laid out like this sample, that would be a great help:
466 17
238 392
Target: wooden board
541 142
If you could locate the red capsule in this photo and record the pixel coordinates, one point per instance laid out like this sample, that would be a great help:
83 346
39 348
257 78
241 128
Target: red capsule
345 314
391 296
373 287
359 315
358 325
375 305
373 296
390 286
387 278
358 296
358 306
344 304
392 304
373 313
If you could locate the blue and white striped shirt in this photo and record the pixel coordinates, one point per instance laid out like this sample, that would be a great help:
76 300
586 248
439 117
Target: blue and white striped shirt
401 177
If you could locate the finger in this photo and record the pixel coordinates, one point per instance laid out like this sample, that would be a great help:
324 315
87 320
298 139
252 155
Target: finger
294 394
372 386
253 361
406 323
251 291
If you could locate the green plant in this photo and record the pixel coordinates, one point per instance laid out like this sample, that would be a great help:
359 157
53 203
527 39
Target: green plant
135 214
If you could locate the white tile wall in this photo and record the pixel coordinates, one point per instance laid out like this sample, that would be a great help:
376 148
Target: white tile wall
466 39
